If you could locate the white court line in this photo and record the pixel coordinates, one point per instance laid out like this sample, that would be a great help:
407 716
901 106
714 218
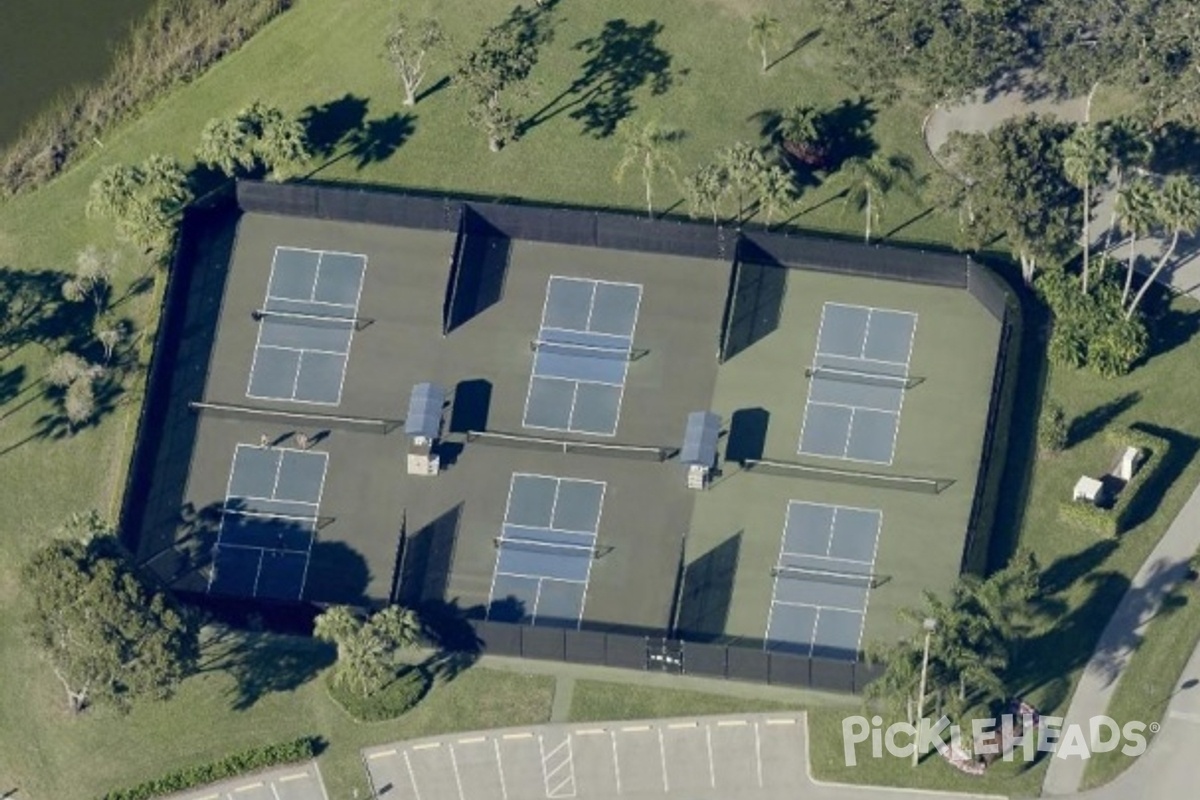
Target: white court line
221 527
383 754
321 780
457 777
828 354
829 558
620 340
867 602
587 325
500 770
262 554
317 350
616 761
812 637
662 754
571 412
547 376
587 578
854 407
496 569
866 334
896 428
538 577
637 311
757 755
537 596
284 299
264 549
712 767
313 538
818 607
870 308
318 252
849 432
412 776
832 528
271 499
316 276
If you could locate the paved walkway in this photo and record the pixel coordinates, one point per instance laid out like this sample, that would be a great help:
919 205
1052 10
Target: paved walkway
1167 564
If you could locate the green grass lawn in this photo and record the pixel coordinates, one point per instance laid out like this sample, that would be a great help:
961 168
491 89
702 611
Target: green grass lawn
596 701
326 55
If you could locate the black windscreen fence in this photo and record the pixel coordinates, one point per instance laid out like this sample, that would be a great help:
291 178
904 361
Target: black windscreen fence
989 290
755 304
482 255
288 199
846 258
648 650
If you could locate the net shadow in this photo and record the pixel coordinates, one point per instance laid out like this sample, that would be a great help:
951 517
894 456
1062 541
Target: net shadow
426 560
482 256
708 591
755 303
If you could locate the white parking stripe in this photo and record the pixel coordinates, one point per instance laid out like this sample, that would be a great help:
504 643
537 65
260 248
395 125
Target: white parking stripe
412 777
518 736
500 769
426 746
757 754
662 752
712 767
616 762
473 740
297 776
457 776
382 754
729 723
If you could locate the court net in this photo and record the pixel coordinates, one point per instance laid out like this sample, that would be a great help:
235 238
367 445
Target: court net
306 418
592 351
534 546
868 581
862 378
878 480
523 441
313 320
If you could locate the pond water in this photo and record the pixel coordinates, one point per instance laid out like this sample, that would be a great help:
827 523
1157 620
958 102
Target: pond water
48 46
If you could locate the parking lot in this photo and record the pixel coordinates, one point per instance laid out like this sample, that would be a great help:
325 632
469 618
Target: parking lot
756 755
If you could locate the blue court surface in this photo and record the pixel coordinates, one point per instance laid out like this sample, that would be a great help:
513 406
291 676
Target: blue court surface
857 383
581 355
268 522
823 580
545 552
306 325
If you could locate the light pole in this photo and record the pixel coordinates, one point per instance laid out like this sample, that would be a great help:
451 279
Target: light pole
930 626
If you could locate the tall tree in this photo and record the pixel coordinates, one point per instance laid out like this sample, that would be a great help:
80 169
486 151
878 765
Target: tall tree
502 61
1137 214
764 36
1179 213
1085 163
93 277
742 166
108 635
1130 147
776 192
144 200
705 189
648 148
408 46
868 182
1018 188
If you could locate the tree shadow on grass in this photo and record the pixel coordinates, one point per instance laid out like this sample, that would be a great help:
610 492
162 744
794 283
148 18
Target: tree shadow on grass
35 312
11 381
621 59
795 47
1169 327
1181 449
265 663
339 129
1089 423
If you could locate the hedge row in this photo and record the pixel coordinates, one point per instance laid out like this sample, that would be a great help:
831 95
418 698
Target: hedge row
398 697
232 765
1113 521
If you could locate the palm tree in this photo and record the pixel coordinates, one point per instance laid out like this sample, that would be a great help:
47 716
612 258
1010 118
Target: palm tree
764 35
705 189
1129 148
870 179
776 192
1136 216
1085 161
800 133
650 148
1179 212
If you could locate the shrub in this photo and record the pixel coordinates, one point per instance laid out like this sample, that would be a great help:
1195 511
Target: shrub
1089 518
401 695
1052 428
1091 330
235 764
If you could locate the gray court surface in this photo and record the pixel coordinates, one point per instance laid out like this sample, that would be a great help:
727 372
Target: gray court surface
292 782
581 355
544 555
819 600
306 325
268 522
857 383
754 756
